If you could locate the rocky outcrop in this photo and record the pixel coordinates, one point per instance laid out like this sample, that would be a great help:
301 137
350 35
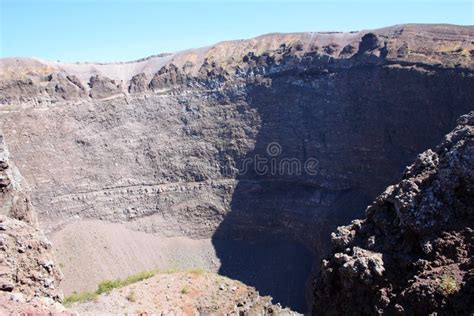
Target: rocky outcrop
18 91
138 83
168 77
103 87
57 86
28 274
66 87
34 82
14 202
26 262
412 254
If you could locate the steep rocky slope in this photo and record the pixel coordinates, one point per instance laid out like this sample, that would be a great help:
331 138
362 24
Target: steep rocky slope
413 253
171 145
29 278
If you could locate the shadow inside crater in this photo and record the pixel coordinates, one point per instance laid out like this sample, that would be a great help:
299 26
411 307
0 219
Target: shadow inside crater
275 267
362 125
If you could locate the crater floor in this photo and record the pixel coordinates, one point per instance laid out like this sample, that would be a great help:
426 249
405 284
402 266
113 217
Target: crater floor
92 251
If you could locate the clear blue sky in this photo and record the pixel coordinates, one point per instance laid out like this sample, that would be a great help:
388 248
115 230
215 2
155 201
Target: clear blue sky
72 30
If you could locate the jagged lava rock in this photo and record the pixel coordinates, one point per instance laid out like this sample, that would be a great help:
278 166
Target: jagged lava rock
412 254
138 83
102 87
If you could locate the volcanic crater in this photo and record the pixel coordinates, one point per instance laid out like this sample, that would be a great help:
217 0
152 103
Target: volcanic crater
200 158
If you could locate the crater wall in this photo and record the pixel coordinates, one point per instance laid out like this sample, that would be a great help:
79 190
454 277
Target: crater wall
173 144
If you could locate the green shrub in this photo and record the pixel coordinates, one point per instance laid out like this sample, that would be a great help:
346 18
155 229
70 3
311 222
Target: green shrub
79 298
197 271
131 296
107 286
448 284
137 277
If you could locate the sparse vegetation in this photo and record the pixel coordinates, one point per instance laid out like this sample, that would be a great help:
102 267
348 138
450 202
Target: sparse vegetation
448 284
131 296
167 271
184 290
107 286
80 298
138 277
197 271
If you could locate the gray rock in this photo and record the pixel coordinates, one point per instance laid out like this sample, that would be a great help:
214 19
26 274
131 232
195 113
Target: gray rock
138 83
167 77
66 87
103 87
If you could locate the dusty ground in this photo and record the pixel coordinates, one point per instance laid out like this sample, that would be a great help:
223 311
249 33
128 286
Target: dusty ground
101 250
182 293
94 248
15 304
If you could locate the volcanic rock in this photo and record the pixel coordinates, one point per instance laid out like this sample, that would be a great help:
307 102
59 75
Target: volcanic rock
67 87
28 274
138 83
167 77
102 87
413 251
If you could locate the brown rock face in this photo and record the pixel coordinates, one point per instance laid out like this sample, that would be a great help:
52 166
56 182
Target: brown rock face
28 274
26 261
67 87
167 77
14 202
412 254
18 90
103 87
138 83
